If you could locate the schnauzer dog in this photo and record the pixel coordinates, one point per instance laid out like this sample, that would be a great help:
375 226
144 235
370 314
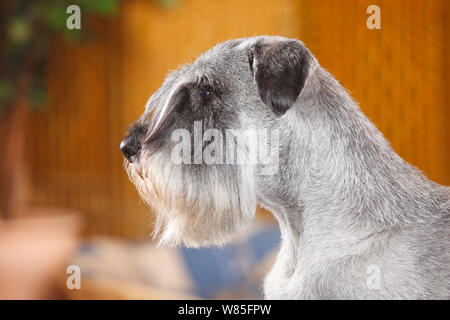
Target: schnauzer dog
356 220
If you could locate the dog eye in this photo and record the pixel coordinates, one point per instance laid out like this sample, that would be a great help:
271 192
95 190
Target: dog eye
206 94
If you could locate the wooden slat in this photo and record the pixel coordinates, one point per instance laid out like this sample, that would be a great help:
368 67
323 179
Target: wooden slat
398 74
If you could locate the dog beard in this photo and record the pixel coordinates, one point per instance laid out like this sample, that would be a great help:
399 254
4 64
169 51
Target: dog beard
197 205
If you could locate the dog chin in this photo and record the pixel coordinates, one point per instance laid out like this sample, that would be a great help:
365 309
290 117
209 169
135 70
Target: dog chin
194 206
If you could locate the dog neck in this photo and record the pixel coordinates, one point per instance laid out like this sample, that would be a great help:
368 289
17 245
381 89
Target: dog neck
340 183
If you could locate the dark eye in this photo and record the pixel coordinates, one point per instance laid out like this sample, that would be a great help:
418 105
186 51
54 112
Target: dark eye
206 93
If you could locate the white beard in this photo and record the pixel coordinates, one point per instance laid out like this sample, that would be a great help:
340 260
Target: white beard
197 205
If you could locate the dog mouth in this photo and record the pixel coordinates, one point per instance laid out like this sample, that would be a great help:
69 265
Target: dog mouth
134 168
137 169
142 180
182 211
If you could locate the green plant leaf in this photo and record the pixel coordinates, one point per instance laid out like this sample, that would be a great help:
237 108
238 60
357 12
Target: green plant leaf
6 91
56 18
102 7
167 3
37 96
19 30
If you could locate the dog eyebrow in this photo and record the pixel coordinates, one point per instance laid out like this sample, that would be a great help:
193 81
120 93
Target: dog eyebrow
207 80
157 107
157 98
160 115
203 79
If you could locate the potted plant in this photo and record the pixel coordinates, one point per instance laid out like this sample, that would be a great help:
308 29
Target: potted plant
35 243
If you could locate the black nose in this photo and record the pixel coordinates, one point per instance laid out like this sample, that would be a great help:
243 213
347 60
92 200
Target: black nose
129 148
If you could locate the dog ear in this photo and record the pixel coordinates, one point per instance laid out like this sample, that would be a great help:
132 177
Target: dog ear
280 70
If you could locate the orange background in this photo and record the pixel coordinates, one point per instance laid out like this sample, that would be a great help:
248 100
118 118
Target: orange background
398 74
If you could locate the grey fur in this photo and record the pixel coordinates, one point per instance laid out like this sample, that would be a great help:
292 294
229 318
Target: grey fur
344 200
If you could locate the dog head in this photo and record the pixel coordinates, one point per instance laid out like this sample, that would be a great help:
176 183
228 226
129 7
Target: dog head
209 131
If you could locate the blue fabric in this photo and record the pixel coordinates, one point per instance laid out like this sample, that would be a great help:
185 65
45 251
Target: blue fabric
213 269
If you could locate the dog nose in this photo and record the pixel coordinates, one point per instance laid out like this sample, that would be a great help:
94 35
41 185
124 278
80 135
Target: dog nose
129 148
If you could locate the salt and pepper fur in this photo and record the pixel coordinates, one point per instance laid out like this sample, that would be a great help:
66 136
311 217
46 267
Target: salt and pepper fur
344 200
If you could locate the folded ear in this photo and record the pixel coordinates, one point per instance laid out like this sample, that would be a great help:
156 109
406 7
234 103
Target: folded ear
280 70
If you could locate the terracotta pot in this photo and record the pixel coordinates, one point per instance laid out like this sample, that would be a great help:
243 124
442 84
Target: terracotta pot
34 252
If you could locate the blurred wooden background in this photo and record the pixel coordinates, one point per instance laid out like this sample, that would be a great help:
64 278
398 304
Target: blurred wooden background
399 75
